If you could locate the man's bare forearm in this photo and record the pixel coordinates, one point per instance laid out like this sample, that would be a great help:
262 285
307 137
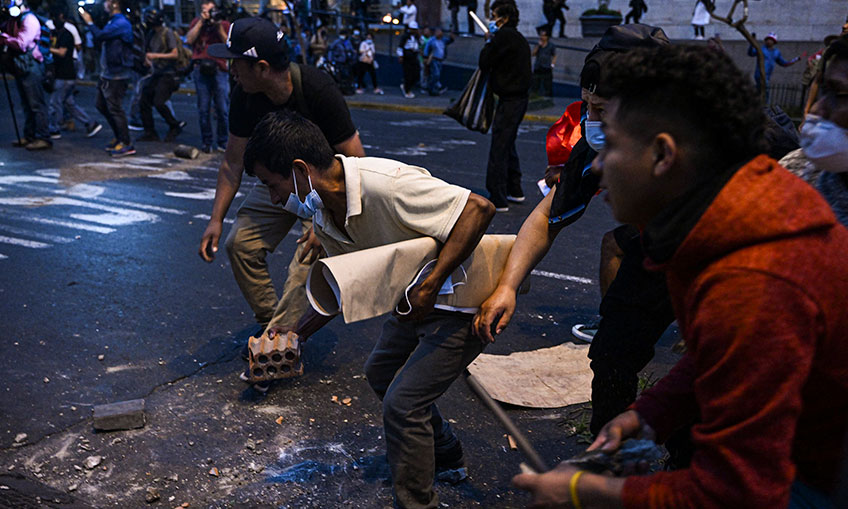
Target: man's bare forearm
225 190
310 323
464 237
531 245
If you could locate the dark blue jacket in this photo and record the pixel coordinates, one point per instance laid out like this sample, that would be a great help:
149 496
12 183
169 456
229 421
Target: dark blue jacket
117 40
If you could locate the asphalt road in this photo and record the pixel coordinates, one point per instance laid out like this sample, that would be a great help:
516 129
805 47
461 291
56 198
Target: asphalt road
103 298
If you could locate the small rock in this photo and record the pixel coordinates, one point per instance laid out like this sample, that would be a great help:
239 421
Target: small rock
184 504
152 495
173 478
46 380
279 420
346 401
335 399
20 437
73 487
250 444
78 468
4 487
190 443
101 357
92 461
213 472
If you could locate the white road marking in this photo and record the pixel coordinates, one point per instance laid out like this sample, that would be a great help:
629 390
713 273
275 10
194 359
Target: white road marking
38 235
142 206
172 175
115 216
562 277
3 257
208 217
206 194
60 222
22 242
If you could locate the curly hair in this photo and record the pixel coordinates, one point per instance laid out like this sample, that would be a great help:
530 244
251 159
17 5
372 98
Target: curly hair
699 96
283 136
506 8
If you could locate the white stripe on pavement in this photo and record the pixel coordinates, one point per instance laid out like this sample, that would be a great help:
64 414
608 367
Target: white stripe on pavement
208 217
59 222
115 216
562 277
38 235
142 206
22 242
3 257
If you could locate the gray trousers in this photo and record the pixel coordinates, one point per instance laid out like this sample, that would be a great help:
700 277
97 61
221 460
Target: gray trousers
260 226
411 366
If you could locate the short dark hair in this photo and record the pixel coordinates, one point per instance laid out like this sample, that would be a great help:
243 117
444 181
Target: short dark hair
283 136
506 9
699 96
837 50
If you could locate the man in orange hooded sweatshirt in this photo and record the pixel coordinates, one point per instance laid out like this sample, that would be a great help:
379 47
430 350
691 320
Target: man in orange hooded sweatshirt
756 269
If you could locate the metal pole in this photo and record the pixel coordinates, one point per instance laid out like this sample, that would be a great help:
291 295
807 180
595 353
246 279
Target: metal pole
11 104
521 441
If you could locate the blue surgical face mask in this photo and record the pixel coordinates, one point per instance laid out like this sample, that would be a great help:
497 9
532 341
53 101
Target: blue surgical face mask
825 144
594 135
303 209
493 27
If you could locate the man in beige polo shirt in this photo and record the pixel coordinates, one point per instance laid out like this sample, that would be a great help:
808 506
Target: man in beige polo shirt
360 203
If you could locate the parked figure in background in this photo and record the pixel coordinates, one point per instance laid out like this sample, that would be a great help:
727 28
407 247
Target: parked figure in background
162 53
342 55
407 53
506 57
637 8
543 66
552 9
62 99
116 62
23 58
409 12
454 6
211 79
435 52
771 57
701 17
367 63
318 45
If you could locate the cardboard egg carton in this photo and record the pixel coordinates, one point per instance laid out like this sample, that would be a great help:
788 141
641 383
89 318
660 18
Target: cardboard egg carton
274 356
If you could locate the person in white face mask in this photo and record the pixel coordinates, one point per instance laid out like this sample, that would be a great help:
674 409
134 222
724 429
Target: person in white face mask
822 159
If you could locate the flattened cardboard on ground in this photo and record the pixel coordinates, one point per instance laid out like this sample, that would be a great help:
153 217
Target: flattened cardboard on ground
546 378
120 415
371 282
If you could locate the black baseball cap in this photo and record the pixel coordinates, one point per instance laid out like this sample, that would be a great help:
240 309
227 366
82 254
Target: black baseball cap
253 39
618 39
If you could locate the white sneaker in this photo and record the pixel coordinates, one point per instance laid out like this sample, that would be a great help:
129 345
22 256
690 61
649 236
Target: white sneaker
585 331
409 95
515 199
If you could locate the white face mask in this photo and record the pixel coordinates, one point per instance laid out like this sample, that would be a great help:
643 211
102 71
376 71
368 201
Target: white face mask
825 144
303 209
594 135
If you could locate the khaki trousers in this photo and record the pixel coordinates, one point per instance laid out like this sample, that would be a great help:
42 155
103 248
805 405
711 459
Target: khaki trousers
260 226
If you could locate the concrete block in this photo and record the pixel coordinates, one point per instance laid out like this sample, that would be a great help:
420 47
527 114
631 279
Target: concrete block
274 356
120 415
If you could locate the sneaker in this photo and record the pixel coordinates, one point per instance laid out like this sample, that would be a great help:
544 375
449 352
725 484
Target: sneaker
221 148
515 199
409 95
450 465
360 91
23 142
56 135
174 132
68 126
39 145
206 149
505 208
585 331
122 150
135 127
378 91
111 145
93 129
149 136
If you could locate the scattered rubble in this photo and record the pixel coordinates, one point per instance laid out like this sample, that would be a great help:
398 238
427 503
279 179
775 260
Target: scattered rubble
151 495
92 461
120 415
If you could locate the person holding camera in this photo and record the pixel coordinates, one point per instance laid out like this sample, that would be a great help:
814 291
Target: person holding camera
23 59
210 74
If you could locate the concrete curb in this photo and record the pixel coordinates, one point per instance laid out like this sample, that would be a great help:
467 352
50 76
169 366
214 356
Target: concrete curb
365 105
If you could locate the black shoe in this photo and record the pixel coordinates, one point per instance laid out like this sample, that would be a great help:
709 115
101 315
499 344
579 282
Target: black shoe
174 131
207 149
450 465
149 136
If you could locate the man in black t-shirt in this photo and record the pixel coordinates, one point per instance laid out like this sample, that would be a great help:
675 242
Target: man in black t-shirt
267 82
62 48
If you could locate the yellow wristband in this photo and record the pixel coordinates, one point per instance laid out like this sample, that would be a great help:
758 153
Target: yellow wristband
575 501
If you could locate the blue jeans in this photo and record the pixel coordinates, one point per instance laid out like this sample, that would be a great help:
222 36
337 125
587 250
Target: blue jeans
435 83
212 88
34 101
61 101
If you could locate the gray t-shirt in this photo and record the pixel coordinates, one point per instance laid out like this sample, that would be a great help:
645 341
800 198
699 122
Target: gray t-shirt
544 57
162 41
